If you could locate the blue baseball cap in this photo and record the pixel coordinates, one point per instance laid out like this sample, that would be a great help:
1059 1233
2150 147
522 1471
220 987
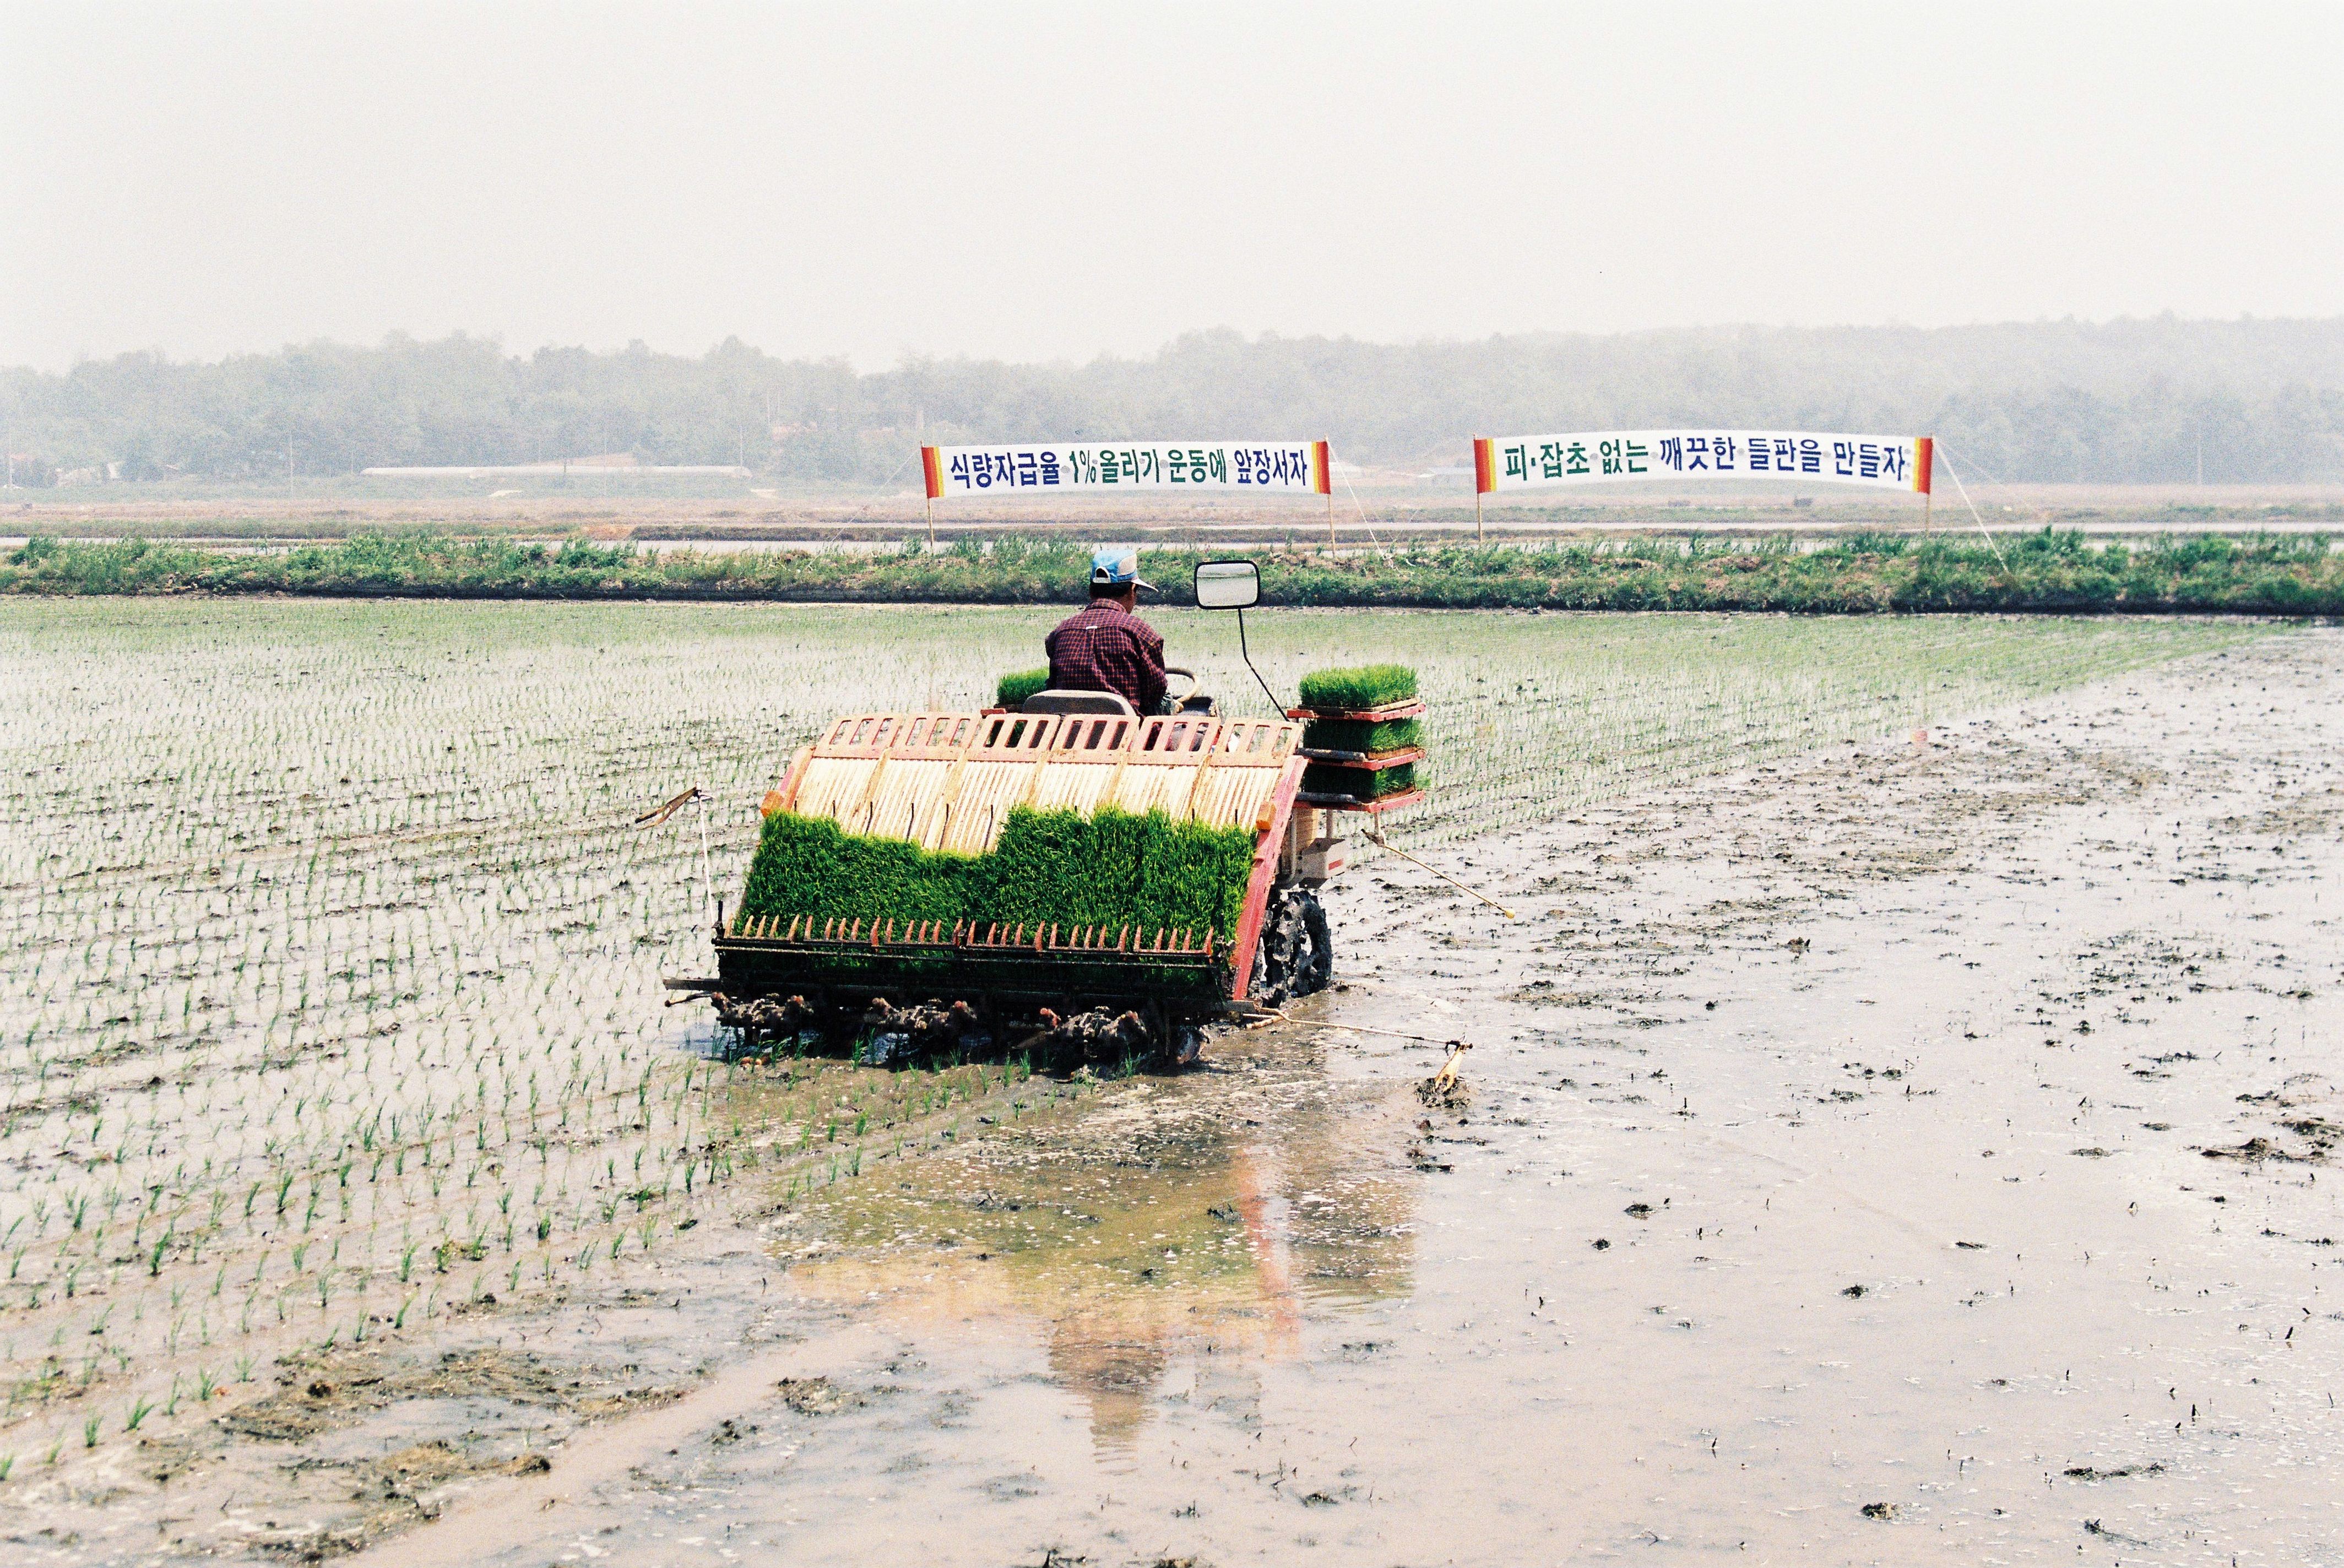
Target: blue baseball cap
1117 566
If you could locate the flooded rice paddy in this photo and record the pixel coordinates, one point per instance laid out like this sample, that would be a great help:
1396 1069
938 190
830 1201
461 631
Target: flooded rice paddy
1874 1151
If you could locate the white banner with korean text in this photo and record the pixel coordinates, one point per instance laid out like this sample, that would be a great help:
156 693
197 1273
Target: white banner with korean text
1612 457
1295 466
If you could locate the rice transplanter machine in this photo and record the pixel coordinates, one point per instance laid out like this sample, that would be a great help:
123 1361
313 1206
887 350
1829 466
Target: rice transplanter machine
948 782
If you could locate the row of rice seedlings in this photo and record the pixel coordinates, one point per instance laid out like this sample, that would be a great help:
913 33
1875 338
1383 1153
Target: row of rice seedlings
360 1010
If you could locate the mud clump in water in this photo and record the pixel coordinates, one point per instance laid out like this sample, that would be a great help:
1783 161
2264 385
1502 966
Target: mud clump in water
1096 1036
317 1393
765 1018
2086 1473
922 1032
1445 1092
394 1491
816 1396
2253 1151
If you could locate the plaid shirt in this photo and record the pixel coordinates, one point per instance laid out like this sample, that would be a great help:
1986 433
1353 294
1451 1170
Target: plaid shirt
1107 648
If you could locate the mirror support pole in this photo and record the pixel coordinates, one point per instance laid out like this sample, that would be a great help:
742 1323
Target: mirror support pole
1275 705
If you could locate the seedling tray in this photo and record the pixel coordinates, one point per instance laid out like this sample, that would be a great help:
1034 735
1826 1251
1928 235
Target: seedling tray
1372 762
1406 708
1376 807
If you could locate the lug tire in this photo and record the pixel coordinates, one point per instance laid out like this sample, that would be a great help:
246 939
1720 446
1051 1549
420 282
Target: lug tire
1296 955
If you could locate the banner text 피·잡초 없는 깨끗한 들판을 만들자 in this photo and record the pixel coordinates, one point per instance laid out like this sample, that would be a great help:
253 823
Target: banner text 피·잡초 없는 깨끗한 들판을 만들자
1606 457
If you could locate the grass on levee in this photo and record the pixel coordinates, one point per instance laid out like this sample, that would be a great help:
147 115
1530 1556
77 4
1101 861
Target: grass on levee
2064 572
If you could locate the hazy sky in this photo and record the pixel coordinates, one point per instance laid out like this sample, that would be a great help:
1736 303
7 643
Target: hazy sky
1038 182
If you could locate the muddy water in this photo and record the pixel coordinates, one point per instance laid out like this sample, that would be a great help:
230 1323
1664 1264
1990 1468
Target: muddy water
1902 1154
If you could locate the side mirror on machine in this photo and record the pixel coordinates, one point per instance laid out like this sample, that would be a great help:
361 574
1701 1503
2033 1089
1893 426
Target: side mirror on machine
1228 585
1235 585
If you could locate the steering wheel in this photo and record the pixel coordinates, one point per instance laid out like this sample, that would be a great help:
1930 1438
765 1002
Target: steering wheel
1176 698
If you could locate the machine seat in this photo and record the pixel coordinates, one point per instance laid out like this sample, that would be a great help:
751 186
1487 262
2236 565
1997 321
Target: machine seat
1057 702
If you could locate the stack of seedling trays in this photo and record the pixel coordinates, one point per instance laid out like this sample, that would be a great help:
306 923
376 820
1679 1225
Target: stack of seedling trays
1363 734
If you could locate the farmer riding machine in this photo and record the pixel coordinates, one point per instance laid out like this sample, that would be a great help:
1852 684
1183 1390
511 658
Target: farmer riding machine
1057 876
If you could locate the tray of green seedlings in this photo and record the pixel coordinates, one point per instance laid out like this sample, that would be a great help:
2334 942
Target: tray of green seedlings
1363 734
1370 693
1340 787
1154 878
1013 690
1364 743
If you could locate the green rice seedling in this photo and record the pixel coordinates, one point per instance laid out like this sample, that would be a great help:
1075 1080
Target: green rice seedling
1358 687
809 865
1360 783
1362 735
1013 690
1113 869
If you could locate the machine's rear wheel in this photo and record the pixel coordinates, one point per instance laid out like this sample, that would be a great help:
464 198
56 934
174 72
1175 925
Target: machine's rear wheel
1296 955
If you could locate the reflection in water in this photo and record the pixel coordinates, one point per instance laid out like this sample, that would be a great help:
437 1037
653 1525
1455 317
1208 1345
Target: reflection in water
1182 1222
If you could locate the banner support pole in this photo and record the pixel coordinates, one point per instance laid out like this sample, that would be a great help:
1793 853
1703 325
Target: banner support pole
1330 520
932 523
1479 537
1929 495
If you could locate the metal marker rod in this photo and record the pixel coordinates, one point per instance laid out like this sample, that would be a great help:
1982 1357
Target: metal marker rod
1363 1029
660 813
707 874
1376 837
